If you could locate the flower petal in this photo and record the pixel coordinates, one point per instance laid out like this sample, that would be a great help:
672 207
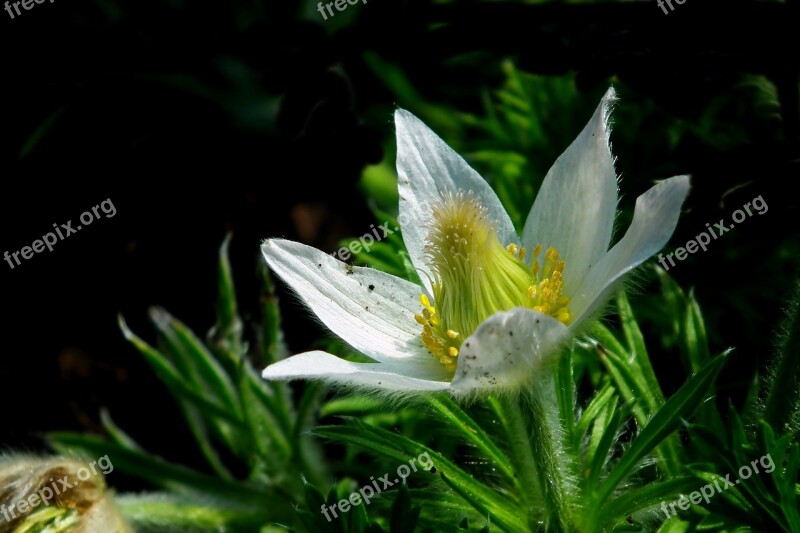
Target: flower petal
506 350
371 310
654 219
332 369
575 207
426 169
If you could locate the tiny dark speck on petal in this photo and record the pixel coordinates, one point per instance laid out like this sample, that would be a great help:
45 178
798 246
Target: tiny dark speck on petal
319 265
366 308
372 287
537 320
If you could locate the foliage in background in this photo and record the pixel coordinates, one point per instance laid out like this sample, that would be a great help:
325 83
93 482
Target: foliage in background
599 447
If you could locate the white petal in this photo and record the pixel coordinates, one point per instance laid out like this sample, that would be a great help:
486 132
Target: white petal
332 369
654 219
371 310
507 350
426 169
575 207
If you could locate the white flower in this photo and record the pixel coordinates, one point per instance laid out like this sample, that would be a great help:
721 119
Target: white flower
489 315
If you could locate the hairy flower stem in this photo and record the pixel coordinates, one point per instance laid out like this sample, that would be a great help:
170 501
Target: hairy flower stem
546 446
519 443
532 426
782 388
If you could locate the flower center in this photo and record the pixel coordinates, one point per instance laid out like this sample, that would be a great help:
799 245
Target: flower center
475 276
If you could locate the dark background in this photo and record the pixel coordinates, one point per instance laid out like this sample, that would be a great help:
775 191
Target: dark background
257 118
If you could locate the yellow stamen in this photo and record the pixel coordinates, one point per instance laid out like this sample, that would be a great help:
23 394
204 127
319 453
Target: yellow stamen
474 276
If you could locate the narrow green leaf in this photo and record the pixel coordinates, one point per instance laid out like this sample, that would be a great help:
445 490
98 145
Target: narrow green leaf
604 435
170 376
663 423
565 392
204 371
404 517
149 467
695 334
601 400
168 512
227 332
265 435
271 341
472 432
640 498
505 511
640 359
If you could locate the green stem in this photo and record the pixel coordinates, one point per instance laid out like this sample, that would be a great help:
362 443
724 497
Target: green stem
519 443
782 396
534 441
547 447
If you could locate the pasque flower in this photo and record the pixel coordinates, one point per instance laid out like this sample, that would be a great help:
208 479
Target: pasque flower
493 307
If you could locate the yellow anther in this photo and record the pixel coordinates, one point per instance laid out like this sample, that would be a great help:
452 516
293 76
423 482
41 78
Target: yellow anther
469 259
426 303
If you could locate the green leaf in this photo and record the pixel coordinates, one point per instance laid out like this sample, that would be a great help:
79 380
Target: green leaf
271 336
604 435
504 511
195 360
598 405
404 517
460 421
173 380
268 441
565 392
162 473
170 512
663 423
642 497
226 335
639 360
